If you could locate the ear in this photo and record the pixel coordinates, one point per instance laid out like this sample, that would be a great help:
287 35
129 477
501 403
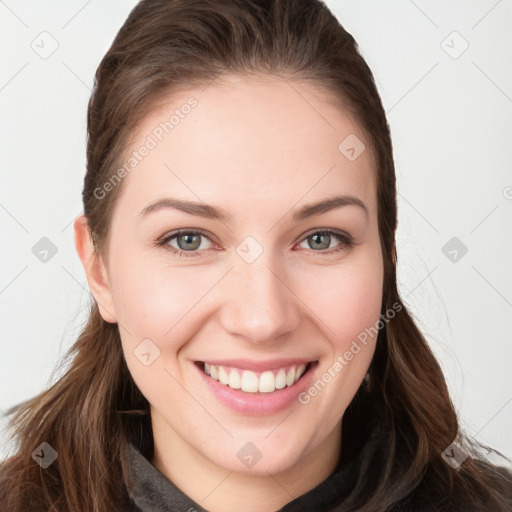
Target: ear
95 270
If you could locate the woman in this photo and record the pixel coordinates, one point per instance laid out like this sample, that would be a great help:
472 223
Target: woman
247 346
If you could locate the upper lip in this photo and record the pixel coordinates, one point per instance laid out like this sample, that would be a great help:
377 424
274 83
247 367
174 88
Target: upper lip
258 366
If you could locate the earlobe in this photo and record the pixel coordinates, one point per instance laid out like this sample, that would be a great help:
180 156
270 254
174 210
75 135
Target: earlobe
94 269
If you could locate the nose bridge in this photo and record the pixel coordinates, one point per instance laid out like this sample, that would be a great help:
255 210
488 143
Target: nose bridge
260 307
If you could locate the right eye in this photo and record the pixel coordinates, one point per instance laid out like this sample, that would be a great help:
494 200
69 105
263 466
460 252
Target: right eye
188 241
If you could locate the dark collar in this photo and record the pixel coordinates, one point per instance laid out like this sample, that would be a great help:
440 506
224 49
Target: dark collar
151 491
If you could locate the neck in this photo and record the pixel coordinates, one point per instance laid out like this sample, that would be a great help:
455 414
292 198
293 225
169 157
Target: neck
219 489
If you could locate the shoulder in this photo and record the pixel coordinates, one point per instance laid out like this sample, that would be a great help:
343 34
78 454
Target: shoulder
468 494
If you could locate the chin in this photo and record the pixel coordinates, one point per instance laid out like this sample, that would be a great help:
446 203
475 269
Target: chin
259 456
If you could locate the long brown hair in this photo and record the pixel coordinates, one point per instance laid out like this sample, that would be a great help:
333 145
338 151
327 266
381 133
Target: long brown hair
91 412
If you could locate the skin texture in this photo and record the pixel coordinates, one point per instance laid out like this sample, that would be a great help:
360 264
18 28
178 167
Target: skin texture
259 148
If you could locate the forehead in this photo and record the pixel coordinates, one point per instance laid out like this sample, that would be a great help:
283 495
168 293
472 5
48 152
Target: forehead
249 143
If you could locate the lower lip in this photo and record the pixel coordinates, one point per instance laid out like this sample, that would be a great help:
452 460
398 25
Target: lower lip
258 403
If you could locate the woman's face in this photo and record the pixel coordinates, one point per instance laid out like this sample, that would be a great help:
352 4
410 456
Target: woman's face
259 289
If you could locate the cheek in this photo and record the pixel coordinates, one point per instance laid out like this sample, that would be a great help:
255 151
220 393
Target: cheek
146 300
348 312
152 301
161 303
346 298
152 306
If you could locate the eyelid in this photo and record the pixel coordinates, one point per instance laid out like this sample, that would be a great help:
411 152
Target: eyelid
337 232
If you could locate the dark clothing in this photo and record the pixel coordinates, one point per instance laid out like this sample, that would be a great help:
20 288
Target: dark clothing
150 491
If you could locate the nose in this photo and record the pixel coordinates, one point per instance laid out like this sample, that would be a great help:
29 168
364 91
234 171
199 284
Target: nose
261 305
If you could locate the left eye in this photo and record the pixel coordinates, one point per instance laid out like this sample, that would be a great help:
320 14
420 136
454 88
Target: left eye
323 239
190 242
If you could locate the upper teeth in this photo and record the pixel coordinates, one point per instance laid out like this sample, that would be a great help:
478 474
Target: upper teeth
251 382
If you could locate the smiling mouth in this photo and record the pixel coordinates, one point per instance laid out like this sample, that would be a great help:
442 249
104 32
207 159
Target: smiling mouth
256 382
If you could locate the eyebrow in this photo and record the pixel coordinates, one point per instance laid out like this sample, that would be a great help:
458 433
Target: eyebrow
216 213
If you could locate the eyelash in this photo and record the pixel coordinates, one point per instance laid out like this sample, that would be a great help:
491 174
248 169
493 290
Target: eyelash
346 242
